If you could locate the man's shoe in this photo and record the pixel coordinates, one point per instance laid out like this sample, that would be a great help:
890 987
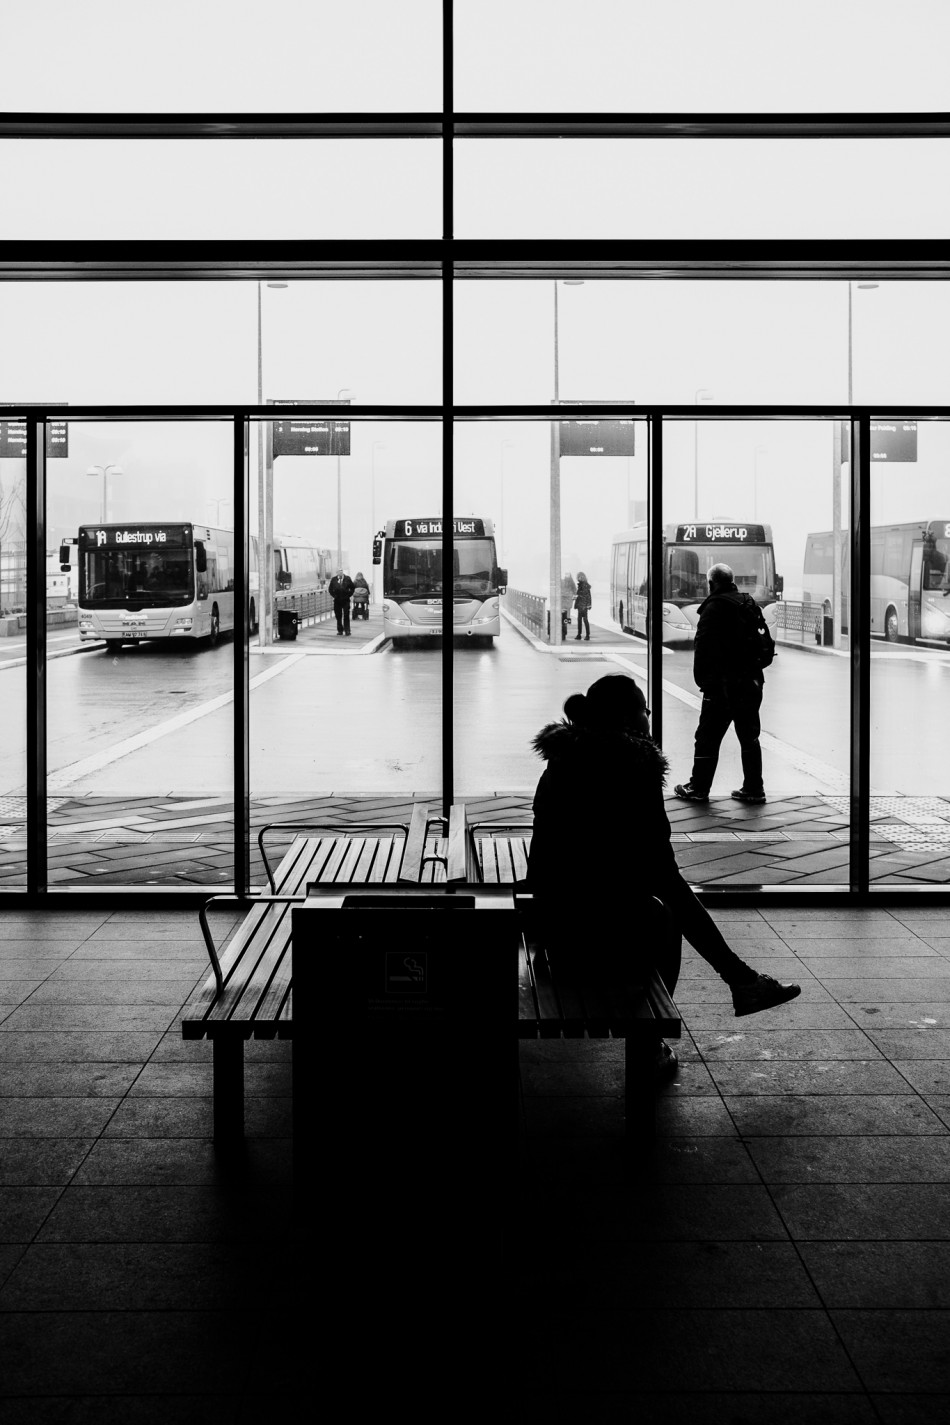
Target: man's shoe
752 798
763 992
688 793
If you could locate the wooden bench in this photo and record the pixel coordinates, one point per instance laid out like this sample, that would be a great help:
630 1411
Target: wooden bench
249 993
552 1005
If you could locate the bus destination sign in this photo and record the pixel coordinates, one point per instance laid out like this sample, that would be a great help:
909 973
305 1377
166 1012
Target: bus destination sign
305 435
426 528
132 536
720 534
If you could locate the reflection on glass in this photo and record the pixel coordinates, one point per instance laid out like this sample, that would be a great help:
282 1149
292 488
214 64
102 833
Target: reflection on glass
140 723
910 632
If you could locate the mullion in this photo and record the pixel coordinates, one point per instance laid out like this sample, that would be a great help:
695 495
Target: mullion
36 662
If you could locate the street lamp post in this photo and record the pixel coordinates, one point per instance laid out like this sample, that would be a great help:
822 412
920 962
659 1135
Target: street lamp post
104 470
554 590
759 450
505 445
265 496
837 461
377 445
343 391
701 395
217 508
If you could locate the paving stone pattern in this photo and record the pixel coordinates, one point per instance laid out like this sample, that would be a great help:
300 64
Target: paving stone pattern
188 842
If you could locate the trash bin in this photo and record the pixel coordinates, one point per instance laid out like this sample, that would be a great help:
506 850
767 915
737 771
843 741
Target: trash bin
287 621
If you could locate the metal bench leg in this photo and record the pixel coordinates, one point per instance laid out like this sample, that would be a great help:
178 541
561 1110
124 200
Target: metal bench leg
639 1064
228 1088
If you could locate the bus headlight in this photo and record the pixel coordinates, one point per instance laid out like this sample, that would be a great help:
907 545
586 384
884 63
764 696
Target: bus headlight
85 625
393 613
489 612
184 623
671 614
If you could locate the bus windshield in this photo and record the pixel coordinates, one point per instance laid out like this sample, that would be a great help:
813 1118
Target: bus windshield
689 566
114 576
414 567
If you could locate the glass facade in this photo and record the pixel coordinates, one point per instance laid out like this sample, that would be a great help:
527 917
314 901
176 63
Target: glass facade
731 341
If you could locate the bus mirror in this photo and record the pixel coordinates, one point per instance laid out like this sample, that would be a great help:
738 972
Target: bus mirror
779 583
284 578
501 579
377 550
64 557
201 557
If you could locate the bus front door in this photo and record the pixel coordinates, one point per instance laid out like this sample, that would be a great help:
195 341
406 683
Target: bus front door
913 599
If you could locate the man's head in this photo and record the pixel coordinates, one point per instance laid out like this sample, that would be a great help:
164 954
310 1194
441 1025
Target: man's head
720 577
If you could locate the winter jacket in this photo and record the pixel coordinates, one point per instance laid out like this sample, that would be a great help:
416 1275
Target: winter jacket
720 650
601 835
583 600
341 590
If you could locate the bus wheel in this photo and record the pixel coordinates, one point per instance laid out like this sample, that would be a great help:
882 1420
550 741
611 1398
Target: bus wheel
891 626
215 627
113 645
252 622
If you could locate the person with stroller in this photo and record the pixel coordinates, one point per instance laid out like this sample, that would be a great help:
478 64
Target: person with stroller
360 597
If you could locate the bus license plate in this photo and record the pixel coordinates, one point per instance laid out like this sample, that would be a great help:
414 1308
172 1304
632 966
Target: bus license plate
133 633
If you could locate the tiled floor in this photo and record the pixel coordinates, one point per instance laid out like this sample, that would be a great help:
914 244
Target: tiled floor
786 1255
141 1279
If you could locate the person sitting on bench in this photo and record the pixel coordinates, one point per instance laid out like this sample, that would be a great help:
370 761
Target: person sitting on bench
600 848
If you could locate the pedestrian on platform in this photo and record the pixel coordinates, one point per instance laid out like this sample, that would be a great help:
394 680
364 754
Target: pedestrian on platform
731 644
582 604
341 591
603 779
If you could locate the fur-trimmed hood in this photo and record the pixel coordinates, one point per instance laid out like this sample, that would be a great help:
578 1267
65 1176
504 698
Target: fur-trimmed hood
567 743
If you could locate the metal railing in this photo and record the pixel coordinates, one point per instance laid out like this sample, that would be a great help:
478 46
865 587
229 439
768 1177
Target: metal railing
800 622
529 610
310 605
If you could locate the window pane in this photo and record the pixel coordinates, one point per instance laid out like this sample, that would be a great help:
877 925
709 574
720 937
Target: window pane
761 487
910 638
684 342
694 58
749 495
700 188
365 56
122 343
13 622
345 726
165 189
140 720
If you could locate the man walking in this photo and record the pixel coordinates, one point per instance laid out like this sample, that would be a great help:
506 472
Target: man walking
341 591
729 672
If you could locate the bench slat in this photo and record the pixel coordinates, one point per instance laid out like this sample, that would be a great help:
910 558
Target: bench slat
415 844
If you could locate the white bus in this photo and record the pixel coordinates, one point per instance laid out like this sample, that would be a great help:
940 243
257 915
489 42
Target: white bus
910 590
689 552
410 551
154 580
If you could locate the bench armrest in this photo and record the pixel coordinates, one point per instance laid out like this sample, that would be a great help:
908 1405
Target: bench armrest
327 828
250 902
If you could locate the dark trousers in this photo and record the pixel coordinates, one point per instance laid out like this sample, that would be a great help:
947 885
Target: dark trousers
735 701
643 936
341 607
582 621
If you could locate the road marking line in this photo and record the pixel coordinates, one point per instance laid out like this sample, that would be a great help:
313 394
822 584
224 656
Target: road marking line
801 761
88 765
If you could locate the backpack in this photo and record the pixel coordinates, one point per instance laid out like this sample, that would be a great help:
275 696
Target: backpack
760 645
